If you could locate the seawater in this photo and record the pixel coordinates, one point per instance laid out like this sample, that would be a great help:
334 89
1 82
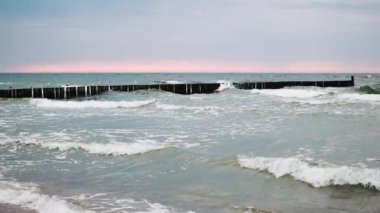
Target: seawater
296 149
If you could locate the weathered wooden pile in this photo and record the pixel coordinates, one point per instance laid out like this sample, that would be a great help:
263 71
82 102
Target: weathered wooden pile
69 92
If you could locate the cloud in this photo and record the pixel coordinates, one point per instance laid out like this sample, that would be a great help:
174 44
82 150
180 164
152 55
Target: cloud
270 32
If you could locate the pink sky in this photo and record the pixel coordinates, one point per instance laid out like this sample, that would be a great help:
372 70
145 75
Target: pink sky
198 67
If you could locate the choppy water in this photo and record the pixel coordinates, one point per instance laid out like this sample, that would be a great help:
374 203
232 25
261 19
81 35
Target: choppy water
300 149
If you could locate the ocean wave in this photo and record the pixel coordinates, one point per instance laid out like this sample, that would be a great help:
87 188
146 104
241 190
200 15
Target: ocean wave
313 95
315 175
250 209
111 148
173 82
224 85
28 196
176 107
71 85
46 103
373 89
293 92
96 201
372 159
355 97
212 110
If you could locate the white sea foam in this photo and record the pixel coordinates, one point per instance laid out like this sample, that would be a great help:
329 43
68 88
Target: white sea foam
314 95
356 97
45 103
171 106
213 110
111 148
156 208
28 196
292 92
72 85
159 208
318 175
96 201
224 85
4 139
173 82
372 159
176 107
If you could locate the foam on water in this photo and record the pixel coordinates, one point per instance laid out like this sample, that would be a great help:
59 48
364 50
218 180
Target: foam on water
293 92
372 159
46 103
174 82
111 148
71 85
4 139
177 107
28 196
316 95
224 85
155 208
318 175
97 201
356 97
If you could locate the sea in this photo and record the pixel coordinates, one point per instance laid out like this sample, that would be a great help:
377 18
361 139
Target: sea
296 149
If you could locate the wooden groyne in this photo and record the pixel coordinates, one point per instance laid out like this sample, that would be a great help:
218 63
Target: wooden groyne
69 92
282 84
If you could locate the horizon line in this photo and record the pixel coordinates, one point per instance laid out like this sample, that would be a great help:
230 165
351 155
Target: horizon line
188 72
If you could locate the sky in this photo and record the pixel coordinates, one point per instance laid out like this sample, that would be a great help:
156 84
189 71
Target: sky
190 36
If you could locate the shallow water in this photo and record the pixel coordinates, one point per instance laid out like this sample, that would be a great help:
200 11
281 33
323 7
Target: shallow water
299 149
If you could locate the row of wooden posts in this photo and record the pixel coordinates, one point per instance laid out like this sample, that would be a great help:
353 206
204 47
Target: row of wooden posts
69 92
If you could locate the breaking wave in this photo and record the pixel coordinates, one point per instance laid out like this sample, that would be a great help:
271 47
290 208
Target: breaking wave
176 107
317 176
29 196
292 92
172 82
355 97
46 103
111 148
224 85
370 89
97 201
315 95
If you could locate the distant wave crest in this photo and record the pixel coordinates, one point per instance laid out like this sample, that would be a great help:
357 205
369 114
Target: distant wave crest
317 176
292 92
314 95
171 82
111 148
45 103
224 85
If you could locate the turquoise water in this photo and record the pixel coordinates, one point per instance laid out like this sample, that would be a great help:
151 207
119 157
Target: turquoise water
299 149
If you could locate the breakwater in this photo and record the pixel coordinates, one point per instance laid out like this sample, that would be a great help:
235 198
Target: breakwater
69 92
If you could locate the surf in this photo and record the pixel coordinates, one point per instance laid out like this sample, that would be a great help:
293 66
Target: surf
315 175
